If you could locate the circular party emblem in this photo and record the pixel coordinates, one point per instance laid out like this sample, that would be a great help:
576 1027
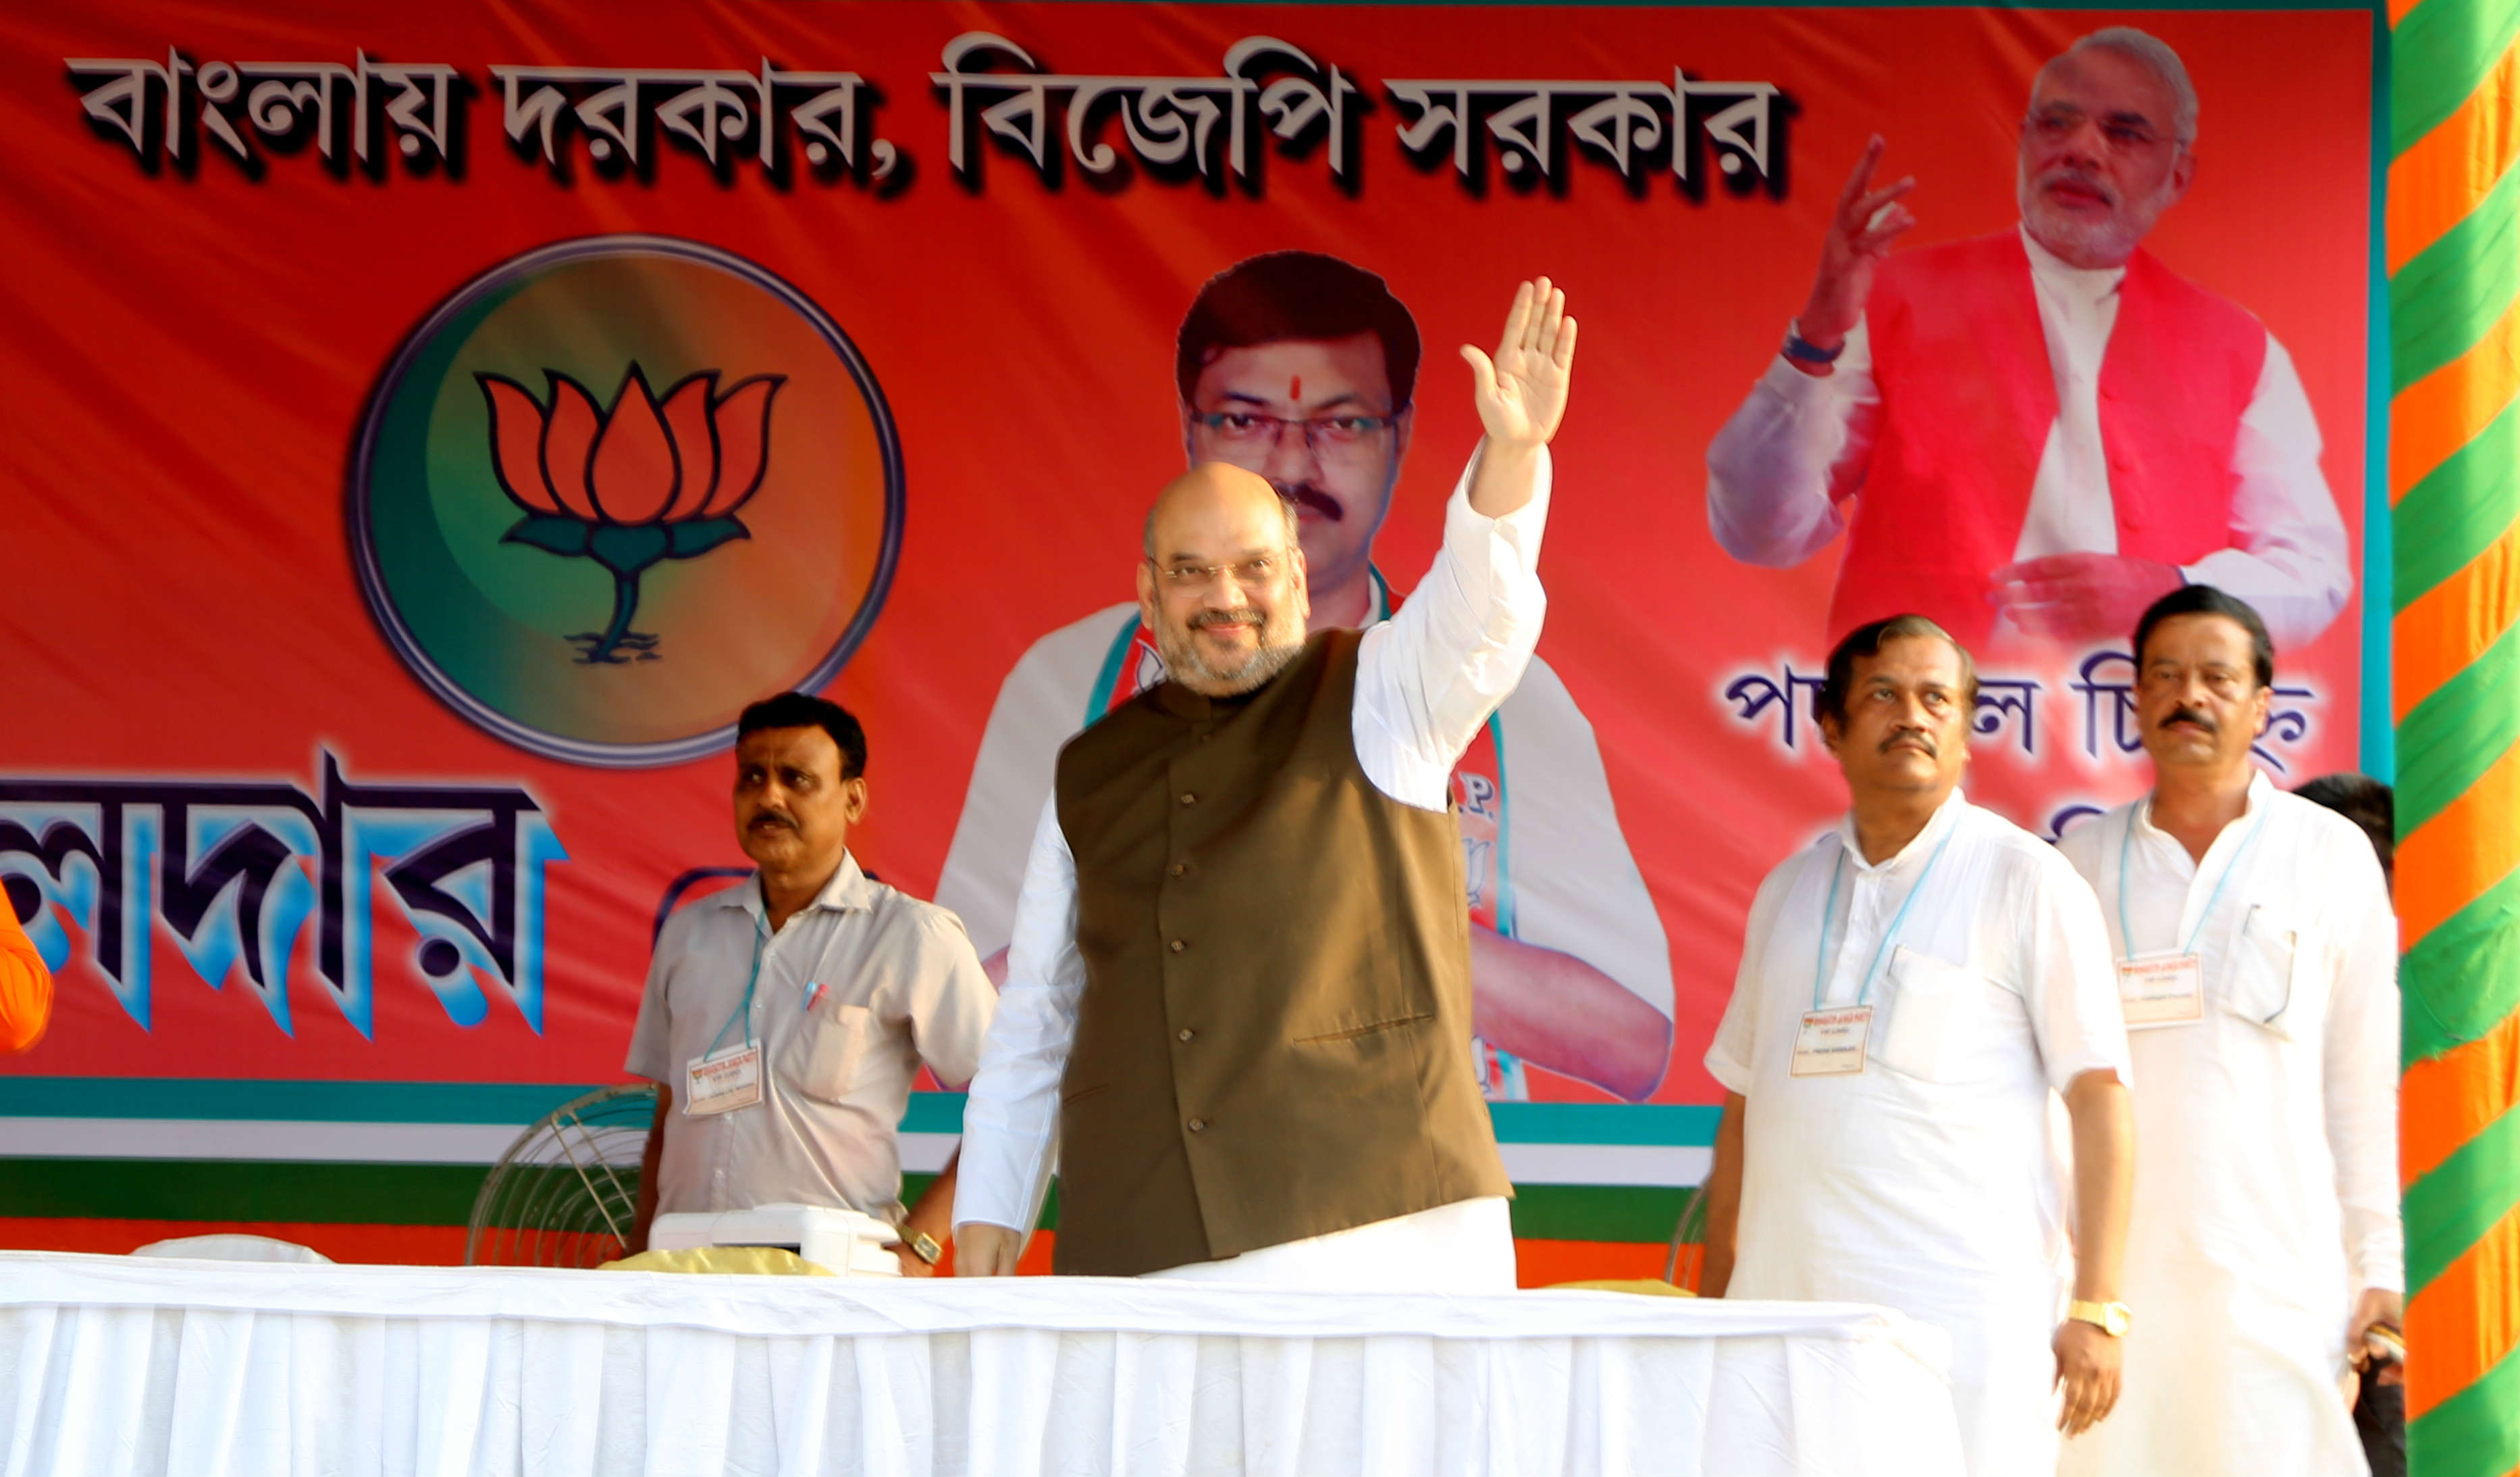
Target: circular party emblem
615 489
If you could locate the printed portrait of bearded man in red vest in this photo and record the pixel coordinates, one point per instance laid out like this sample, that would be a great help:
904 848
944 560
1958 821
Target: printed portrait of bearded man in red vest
2035 435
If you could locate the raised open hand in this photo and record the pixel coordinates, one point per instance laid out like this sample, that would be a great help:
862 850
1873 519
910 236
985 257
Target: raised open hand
1859 233
1521 393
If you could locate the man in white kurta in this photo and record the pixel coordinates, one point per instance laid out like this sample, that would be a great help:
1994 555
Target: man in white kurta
2264 1015
1427 682
1908 1161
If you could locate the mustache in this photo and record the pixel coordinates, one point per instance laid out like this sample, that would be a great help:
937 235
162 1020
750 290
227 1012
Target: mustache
1246 616
1309 495
772 818
2068 174
2196 716
1923 739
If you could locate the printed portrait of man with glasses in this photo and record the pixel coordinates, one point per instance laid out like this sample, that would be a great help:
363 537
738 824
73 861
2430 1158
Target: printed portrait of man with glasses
1301 367
2035 435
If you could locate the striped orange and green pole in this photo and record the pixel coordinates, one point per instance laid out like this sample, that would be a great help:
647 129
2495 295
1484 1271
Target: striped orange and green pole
2454 262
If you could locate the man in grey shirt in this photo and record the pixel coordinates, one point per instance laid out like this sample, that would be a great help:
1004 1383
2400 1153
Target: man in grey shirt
785 1019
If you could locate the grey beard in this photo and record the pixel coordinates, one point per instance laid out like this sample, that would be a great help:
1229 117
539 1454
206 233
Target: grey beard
1184 665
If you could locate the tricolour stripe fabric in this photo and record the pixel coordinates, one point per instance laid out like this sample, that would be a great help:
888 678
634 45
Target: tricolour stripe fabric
2453 258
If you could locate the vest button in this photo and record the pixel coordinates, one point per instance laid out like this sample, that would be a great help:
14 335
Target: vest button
1187 1033
1178 868
1178 945
1198 1125
1187 798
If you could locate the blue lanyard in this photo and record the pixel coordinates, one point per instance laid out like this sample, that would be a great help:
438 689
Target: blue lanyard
2126 844
1838 873
760 935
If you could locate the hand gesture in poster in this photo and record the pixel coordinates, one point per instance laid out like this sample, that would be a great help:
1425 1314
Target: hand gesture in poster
1867 222
2080 597
1521 393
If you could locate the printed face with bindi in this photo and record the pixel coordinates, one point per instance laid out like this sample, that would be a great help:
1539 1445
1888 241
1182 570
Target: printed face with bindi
1317 422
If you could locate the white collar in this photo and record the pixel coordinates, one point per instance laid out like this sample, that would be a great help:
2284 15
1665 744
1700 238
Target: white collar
2260 791
849 891
2088 283
1946 815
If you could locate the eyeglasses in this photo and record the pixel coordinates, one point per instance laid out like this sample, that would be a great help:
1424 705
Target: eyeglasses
1251 573
2054 125
1324 436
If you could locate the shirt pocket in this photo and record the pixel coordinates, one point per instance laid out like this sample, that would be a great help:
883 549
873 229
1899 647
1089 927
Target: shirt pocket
1931 1008
2274 955
824 1057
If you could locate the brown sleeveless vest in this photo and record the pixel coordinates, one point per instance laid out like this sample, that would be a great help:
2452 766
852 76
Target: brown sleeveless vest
1274 1041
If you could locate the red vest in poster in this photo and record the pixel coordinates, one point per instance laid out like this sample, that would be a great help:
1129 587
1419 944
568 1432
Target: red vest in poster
1967 397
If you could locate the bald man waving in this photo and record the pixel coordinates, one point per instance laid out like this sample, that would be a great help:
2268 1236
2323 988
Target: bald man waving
1237 1000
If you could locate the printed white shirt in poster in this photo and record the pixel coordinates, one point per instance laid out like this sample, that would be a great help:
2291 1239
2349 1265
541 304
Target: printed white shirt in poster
1926 1182
2266 1191
1574 886
1778 469
1426 681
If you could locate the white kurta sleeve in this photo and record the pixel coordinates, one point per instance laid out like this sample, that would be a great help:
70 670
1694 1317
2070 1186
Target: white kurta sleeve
2360 1071
1427 678
1730 1057
2289 557
1796 448
1010 1119
2069 979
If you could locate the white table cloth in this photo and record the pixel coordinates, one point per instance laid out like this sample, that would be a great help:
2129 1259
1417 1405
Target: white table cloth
114 1365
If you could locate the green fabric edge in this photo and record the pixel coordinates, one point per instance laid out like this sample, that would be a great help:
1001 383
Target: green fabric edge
2462 729
2463 978
442 1195
2445 299
2439 55
2475 1433
2460 1199
2446 521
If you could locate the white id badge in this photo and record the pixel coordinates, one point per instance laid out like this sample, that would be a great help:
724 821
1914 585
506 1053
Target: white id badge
1830 1043
723 1081
2161 990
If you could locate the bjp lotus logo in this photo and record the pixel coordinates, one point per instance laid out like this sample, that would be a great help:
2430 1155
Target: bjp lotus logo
634 425
645 481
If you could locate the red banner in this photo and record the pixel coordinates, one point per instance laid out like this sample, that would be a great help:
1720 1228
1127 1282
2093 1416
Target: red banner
430 426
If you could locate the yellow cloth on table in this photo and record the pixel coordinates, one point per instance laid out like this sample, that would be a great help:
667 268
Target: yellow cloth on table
1649 1286
751 1261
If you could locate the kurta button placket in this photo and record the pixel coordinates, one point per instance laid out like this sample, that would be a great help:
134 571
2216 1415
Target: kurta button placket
1198 1125
1178 945
1187 1033
1189 798
1178 868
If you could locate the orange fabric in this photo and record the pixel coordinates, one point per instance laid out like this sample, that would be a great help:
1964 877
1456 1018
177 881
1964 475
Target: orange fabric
2444 1101
25 987
2433 418
2466 1320
2452 624
395 1245
2454 856
2440 178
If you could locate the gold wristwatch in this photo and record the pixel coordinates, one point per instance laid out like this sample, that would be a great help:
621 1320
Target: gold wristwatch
2111 1319
922 1245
